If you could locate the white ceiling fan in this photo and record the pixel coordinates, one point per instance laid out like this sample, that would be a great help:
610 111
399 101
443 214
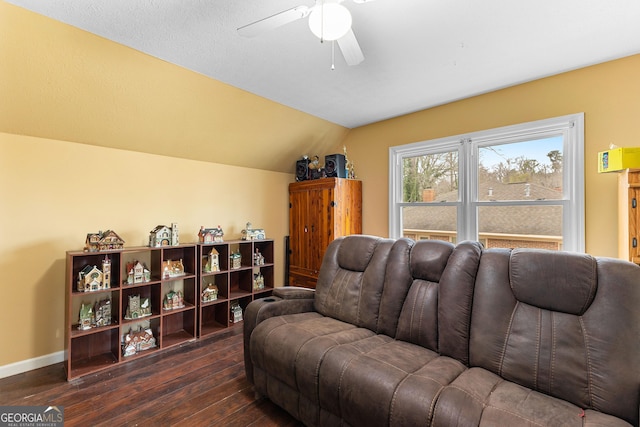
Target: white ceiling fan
328 20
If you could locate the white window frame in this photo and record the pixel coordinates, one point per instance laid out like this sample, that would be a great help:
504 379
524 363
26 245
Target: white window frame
467 145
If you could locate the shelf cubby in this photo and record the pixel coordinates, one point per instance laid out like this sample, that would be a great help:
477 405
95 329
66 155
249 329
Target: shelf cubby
235 285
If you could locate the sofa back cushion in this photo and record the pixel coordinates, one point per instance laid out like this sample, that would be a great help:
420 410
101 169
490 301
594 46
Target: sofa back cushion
418 322
564 324
351 279
455 300
437 310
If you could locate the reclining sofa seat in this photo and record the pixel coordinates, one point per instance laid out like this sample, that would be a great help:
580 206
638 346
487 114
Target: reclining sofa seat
357 310
286 351
543 349
394 378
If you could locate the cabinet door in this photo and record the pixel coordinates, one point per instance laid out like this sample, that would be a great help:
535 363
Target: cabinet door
321 220
298 228
629 215
310 229
634 224
320 211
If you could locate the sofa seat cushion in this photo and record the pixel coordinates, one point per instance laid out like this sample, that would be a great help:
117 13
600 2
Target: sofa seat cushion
481 398
382 381
291 348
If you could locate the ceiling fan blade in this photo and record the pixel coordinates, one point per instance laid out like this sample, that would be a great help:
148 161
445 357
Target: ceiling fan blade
273 21
350 48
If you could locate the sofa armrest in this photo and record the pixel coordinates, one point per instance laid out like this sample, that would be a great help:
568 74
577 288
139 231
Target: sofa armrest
292 301
294 292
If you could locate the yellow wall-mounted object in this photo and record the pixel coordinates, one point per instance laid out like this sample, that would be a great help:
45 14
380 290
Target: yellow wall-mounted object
618 159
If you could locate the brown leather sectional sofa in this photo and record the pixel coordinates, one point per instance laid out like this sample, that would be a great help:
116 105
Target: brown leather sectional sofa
405 333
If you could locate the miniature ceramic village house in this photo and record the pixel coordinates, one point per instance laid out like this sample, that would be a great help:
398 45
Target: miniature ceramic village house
210 293
210 235
137 272
172 269
258 282
164 236
91 278
138 307
102 312
235 313
258 258
250 233
173 300
86 318
103 241
92 316
137 341
212 262
236 260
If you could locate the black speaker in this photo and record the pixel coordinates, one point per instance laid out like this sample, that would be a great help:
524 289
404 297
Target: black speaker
334 166
302 170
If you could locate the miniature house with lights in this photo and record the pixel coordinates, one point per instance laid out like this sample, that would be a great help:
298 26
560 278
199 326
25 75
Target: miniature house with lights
172 269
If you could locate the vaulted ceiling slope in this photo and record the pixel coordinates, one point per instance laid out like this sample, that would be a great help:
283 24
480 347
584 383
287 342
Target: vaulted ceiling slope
418 53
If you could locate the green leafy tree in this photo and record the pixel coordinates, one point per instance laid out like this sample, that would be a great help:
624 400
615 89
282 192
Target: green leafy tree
430 171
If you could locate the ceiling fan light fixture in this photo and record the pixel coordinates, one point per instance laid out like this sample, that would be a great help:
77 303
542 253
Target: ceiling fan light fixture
329 21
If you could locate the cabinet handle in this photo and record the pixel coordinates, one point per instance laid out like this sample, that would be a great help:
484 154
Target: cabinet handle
634 242
634 203
333 204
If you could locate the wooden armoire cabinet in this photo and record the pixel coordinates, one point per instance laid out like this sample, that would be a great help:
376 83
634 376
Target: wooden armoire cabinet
320 210
629 215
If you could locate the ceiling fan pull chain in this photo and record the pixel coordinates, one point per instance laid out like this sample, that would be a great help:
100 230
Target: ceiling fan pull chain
321 21
333 55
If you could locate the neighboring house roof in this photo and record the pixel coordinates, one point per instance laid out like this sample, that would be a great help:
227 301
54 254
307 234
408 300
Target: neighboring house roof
536 220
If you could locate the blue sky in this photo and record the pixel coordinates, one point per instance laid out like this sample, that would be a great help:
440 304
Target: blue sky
534 149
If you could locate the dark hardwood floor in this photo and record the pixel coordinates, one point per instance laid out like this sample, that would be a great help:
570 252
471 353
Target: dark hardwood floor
197 384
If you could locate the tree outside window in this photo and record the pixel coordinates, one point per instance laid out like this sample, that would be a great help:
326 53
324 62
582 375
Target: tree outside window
520 186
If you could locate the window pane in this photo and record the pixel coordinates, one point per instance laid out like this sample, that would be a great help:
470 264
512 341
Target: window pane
432 177
430 222
520 226
529 170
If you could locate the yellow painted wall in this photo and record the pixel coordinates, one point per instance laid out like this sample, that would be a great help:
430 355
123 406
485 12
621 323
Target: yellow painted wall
59 82
608 94
94 136
54 192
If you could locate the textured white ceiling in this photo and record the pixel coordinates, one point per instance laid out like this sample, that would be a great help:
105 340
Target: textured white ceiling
418 53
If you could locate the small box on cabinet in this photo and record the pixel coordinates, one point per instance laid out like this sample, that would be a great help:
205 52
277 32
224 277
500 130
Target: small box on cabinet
618 159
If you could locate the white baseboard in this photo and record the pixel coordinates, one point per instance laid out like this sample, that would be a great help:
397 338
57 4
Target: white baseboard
30 364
